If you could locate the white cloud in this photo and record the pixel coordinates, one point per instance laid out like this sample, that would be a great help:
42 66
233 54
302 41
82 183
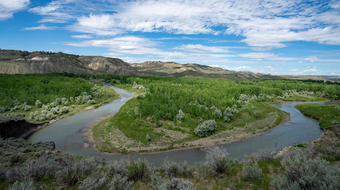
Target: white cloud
122 45
257 55
9 7
53 11
83 36
202 48
265 24
307 71
311 59
40 27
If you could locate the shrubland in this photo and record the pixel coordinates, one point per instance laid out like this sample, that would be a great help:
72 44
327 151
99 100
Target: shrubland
24 165
48 96
193 108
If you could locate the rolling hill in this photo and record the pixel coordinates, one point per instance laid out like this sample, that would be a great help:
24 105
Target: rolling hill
24 62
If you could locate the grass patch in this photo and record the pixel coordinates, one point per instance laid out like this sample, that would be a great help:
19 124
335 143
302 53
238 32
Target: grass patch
327 114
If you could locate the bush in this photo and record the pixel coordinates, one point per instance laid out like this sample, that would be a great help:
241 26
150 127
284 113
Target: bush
38 104
177 184
302 172
24 185
27 108
138 171
75 171
15 174
118 167
42 167
64 109
91 102
206 128
119 182
265 156
64 101
251 170
136 111
3 170
55 110
148 138
173 169
180 116
94 182
228 113
218 162
218 113
3 109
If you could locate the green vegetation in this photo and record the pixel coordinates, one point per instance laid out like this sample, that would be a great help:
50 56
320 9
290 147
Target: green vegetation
168 109
327 114
45 97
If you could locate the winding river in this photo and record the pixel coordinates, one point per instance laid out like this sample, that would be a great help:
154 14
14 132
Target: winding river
68 135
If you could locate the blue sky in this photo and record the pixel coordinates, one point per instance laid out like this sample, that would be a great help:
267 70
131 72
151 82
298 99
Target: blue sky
296 37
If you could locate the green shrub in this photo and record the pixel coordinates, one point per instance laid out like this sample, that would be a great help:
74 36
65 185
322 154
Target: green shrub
206 128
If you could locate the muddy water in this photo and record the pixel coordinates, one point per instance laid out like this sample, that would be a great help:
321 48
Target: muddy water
68 135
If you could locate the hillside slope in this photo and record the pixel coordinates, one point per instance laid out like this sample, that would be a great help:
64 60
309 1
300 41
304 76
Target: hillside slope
23 62
158 68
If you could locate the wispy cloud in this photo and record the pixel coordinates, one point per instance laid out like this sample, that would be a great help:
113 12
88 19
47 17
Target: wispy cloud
40 27
257 55
262 23
83 36
203 48
9 7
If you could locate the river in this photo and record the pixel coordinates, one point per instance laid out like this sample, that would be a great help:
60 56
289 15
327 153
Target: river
68 135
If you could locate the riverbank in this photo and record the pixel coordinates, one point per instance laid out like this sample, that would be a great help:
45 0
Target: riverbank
327 114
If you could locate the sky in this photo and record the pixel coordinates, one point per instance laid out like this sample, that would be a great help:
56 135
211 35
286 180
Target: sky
295 37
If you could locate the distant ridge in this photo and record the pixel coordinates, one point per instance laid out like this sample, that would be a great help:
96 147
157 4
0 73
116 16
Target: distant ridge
24 62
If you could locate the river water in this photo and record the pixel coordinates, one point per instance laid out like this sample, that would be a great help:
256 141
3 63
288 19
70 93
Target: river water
68 135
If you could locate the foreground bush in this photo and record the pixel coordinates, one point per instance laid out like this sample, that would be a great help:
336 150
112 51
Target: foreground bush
23 185
206 128
218 162
177 184
251 170
173 169
302 172
138 171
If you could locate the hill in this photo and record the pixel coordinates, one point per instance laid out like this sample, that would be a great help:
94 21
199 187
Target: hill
24 62
158 68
